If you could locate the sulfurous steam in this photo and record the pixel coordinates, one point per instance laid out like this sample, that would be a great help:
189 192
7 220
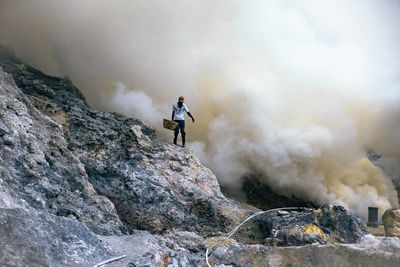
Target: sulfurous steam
295 92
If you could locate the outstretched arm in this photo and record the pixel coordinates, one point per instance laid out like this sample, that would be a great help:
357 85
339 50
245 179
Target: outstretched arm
190 115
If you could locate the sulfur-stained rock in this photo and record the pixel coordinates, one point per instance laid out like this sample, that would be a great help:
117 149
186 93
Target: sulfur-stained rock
306 225
313 229
340 224
391 221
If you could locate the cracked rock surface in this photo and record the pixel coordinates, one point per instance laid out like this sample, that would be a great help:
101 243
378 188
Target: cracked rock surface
38 239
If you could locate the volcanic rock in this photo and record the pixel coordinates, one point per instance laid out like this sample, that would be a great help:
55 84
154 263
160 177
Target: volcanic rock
38 171
60 157
108 171
391 221
38 239
177 249
369 252
171 249
306 226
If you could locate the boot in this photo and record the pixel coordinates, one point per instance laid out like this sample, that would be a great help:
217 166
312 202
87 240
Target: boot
175 139
183 140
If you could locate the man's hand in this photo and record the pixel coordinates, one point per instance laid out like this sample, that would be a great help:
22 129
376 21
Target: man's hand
191 116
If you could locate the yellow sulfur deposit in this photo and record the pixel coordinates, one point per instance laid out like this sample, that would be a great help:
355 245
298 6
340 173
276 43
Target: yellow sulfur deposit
313 229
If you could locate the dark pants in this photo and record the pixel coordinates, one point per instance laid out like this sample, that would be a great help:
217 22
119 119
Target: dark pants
180 127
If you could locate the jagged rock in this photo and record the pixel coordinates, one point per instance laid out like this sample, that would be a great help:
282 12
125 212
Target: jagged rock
38 171
306 226
103 170
152 185
369 252
391 221
173 249
3 129
39 239
339 223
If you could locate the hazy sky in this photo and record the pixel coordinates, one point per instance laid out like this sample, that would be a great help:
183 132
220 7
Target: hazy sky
293 91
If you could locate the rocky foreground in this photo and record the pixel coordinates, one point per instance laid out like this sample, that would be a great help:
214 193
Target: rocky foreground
80 186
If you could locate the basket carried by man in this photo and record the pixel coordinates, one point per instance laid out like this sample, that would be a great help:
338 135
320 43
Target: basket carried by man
170 125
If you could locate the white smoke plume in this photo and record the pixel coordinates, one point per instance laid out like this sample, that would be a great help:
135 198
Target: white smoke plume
293 91
134 103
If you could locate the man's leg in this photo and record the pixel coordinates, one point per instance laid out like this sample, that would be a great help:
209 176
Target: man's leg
176 132
183 133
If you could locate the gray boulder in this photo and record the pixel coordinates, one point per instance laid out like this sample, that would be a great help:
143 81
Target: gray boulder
305 226
391 221
172 249
38 239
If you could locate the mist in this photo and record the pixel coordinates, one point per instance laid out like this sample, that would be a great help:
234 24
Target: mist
295 92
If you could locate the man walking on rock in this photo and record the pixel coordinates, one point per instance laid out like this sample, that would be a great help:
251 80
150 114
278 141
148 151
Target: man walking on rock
178 115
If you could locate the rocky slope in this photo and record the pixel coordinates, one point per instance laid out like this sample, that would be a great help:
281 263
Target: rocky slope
106 170
78 186
103 170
